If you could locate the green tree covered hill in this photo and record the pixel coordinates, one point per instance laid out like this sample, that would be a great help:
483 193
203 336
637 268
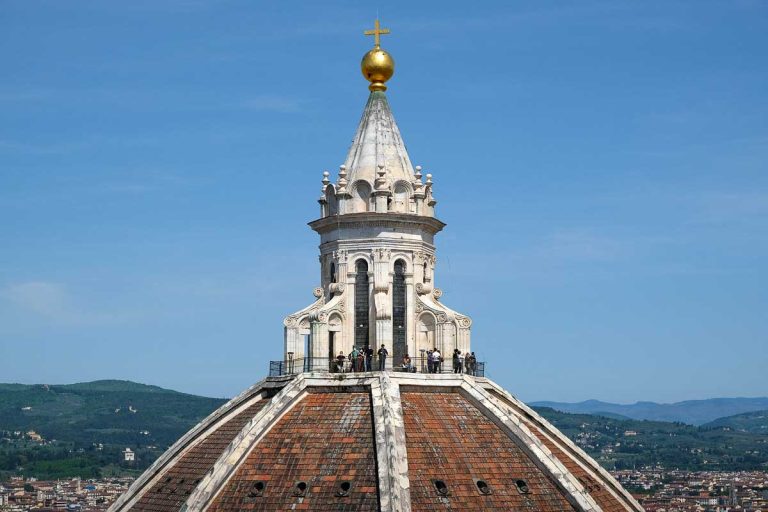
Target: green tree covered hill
623 444
755 422
85 426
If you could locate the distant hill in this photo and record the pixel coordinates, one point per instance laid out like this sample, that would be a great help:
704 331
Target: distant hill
755 422
85 426
692 412
625 444
106 411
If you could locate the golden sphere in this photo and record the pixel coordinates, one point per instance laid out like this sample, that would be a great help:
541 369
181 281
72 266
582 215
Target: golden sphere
378 66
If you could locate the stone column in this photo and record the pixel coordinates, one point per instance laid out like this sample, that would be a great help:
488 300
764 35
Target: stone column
292 343
382 303
319 342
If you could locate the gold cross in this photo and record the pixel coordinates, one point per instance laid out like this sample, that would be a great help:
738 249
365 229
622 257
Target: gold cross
376 33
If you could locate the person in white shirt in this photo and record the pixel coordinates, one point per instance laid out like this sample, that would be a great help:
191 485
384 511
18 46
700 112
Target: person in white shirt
438 359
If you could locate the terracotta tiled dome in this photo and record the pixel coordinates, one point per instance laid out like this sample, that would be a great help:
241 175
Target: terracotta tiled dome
376 441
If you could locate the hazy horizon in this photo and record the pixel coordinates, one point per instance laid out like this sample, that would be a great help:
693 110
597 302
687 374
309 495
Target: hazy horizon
540 400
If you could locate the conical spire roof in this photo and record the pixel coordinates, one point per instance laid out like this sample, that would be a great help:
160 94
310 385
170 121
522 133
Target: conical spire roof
378 142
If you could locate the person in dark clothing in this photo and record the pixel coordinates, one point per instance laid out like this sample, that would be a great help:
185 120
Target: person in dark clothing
383 357
340 362
368 359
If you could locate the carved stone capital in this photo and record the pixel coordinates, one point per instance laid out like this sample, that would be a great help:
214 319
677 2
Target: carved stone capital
381 254
340 255
318 316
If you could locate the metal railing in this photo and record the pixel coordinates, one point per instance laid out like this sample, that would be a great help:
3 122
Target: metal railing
372 364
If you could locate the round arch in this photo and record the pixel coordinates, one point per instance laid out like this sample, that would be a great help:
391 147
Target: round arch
404 257
332 204
361 196
401 196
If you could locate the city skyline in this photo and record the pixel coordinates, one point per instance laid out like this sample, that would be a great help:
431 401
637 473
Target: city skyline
156 159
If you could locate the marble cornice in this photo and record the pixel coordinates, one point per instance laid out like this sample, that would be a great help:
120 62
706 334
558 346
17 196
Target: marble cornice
385 220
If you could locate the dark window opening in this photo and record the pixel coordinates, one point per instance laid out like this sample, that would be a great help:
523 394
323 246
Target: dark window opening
522 486
333 272
588 484
399 302
441 488
482 486
344 488
257 489
331 345
362 306
300 489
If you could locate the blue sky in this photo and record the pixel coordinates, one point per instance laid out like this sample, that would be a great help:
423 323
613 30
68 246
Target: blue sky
601 167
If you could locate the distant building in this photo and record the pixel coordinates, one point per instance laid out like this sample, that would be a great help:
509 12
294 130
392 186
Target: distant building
129 455
629 433
34 436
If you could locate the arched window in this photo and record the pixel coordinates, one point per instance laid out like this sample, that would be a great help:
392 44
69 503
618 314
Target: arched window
425 337
361 304
401 201
362 196
332 272
399 323
330 198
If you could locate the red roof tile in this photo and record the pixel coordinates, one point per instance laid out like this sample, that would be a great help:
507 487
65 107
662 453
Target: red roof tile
177 482
598 491
449 439
324 440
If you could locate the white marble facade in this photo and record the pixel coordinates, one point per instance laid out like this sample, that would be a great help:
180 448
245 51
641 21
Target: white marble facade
377 225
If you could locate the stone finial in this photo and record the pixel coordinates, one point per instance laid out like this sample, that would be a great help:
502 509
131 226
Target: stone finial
418 172
429 179
381 180
326 180
342 181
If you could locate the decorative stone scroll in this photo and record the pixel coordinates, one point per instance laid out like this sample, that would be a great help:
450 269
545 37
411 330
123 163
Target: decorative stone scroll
423 288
